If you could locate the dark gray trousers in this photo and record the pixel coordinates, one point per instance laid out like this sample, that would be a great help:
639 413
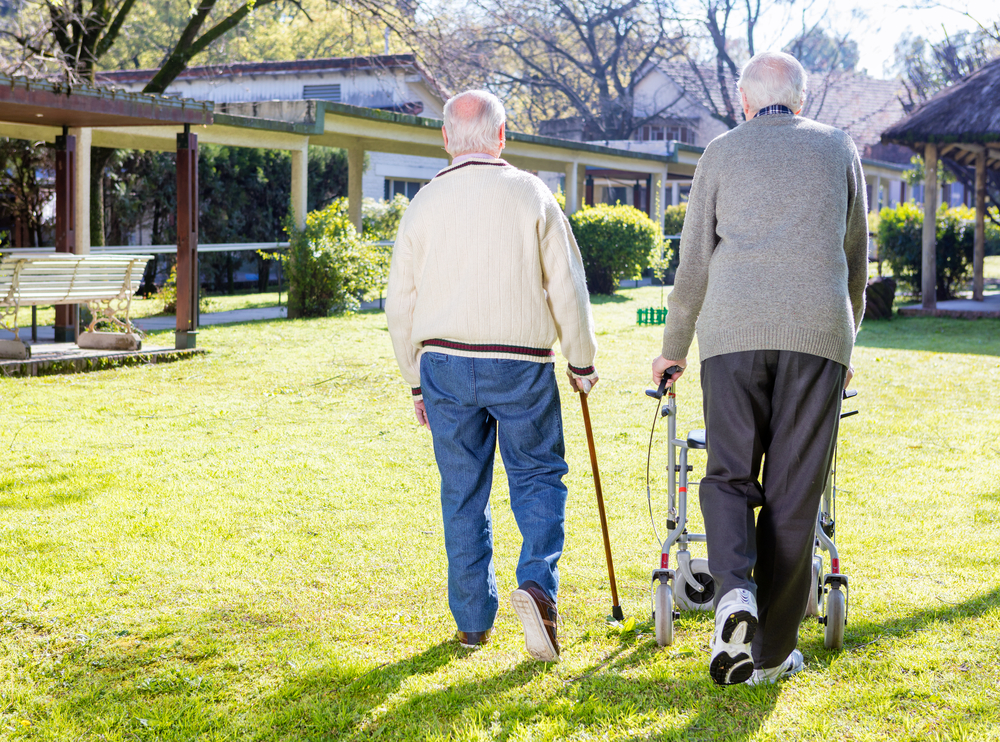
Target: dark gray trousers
782 407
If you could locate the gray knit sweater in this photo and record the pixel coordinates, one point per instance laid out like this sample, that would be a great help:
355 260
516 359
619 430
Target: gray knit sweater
775 244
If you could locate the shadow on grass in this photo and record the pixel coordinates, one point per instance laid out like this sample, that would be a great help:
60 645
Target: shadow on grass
52 490
934 334
608 299
862 634
502 707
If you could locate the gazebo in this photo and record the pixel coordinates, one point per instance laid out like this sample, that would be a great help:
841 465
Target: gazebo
961 123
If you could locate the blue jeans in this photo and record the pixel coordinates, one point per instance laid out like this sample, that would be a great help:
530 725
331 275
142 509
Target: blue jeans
471 403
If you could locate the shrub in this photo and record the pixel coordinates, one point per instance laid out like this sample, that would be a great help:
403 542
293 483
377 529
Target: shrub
673 218
380 219
900 240
993 232
168 295
673 223
330 268
616 242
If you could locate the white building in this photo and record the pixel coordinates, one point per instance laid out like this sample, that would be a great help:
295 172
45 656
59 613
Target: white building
395 82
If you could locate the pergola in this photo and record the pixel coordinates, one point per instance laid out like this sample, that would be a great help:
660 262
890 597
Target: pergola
66 116
961 123
75 119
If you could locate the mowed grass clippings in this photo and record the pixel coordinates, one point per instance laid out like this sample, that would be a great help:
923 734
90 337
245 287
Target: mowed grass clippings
247 546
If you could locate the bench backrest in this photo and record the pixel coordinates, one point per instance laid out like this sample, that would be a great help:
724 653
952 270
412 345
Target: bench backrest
57 278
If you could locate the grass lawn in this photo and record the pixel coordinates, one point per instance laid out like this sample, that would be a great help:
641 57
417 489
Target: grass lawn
247 546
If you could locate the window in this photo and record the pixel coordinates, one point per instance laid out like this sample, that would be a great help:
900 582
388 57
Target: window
408 188
666 132
322 92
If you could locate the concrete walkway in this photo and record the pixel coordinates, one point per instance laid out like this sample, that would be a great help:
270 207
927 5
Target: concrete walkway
960 308
159 324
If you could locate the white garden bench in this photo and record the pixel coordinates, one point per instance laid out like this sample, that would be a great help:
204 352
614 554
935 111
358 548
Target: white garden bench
105 283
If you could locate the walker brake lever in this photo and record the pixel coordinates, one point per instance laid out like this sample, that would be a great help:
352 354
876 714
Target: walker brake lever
659 391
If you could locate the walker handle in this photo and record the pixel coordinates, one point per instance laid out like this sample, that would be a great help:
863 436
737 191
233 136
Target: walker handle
848 393
659 391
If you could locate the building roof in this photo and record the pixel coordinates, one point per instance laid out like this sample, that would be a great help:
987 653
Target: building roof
41 103
967 112
860 105
291 67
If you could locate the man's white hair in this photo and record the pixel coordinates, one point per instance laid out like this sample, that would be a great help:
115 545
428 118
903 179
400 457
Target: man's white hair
773 78
472 120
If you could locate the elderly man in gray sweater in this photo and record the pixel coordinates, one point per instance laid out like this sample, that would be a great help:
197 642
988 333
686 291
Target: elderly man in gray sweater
772 276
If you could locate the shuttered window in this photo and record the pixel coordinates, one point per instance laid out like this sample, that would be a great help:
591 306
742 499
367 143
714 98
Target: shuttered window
322 92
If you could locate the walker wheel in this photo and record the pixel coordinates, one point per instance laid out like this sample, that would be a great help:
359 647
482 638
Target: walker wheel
688 597
815 605
836 619
663 615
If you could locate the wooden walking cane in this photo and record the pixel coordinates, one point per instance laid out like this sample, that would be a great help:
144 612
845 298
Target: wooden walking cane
616 609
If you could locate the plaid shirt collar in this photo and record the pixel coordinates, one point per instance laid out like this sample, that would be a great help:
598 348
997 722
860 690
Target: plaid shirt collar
777 108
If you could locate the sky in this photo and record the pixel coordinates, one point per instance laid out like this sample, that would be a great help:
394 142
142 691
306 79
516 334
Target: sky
877 26
883 25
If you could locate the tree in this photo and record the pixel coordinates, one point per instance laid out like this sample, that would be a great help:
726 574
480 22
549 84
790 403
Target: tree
553 58
926 67
728 30
818 51
21 165
70 39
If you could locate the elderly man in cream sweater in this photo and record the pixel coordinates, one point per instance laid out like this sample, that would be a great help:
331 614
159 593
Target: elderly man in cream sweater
774 261
485 277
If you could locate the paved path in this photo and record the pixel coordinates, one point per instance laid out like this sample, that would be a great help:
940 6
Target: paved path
159 324
967 308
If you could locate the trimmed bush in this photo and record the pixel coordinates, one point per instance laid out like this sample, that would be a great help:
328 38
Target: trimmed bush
900 240
380 219
330 267
616 242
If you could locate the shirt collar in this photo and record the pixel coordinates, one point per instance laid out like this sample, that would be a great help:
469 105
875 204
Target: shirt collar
461 159
777 108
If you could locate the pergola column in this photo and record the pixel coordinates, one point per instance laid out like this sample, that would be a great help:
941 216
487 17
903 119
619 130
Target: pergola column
300 184
187 240
675 193
65 157
572 193
928 287
81 188
979 247
581 183
355 170
876 187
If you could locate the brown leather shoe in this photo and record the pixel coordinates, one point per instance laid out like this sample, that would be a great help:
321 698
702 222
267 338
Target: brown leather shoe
473 639
538 617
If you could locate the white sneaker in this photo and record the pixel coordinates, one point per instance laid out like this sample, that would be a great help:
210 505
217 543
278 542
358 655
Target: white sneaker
792 664
735 625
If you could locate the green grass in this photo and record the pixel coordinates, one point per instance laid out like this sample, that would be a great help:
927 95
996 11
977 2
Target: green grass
247 546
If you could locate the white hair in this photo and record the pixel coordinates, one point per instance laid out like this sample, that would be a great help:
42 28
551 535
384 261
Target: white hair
773 78
472 120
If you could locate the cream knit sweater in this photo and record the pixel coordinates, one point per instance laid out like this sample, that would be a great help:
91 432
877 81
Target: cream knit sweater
485 265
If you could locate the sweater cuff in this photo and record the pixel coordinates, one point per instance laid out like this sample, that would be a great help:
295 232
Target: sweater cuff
418 395
587 372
